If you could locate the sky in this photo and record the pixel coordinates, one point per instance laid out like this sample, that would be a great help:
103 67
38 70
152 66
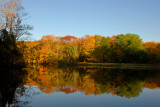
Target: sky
94 17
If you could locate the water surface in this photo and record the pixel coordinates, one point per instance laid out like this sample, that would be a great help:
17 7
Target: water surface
79 87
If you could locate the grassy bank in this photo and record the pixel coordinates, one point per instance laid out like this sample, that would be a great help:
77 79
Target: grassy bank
118 65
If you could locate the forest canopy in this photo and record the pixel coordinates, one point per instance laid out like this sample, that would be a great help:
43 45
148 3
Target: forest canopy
123 48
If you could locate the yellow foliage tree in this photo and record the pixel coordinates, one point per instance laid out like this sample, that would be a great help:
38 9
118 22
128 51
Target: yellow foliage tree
88 47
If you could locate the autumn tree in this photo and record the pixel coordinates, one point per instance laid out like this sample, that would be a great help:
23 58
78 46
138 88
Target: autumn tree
12 28
153 51
87 48
46 52
68 38
11 18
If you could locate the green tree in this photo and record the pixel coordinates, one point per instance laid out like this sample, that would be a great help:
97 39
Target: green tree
132 48
71 53
102 49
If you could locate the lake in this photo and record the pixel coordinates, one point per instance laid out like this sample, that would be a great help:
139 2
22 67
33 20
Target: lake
40 86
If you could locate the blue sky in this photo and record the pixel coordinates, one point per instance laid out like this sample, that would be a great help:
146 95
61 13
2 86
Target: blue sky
103 17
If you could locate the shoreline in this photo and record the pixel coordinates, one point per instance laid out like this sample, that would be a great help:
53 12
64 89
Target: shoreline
118 65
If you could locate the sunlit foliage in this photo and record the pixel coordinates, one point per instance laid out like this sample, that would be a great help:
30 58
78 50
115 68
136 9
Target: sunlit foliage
123 48
153 51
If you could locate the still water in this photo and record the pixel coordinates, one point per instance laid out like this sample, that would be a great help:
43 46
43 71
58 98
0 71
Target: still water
79 87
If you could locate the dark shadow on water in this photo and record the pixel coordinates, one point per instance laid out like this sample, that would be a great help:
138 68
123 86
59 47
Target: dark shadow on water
11 86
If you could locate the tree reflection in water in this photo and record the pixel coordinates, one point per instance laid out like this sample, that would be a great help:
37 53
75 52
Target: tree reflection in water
9 82
93 81
90 81
12 87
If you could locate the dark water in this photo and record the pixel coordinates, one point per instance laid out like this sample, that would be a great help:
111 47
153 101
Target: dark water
79 87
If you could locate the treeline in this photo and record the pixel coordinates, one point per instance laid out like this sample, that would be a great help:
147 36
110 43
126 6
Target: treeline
123 48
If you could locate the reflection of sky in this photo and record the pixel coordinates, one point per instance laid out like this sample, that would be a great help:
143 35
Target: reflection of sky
104 17
148 98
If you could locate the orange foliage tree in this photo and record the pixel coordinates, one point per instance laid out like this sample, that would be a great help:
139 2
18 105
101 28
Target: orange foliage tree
153 51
